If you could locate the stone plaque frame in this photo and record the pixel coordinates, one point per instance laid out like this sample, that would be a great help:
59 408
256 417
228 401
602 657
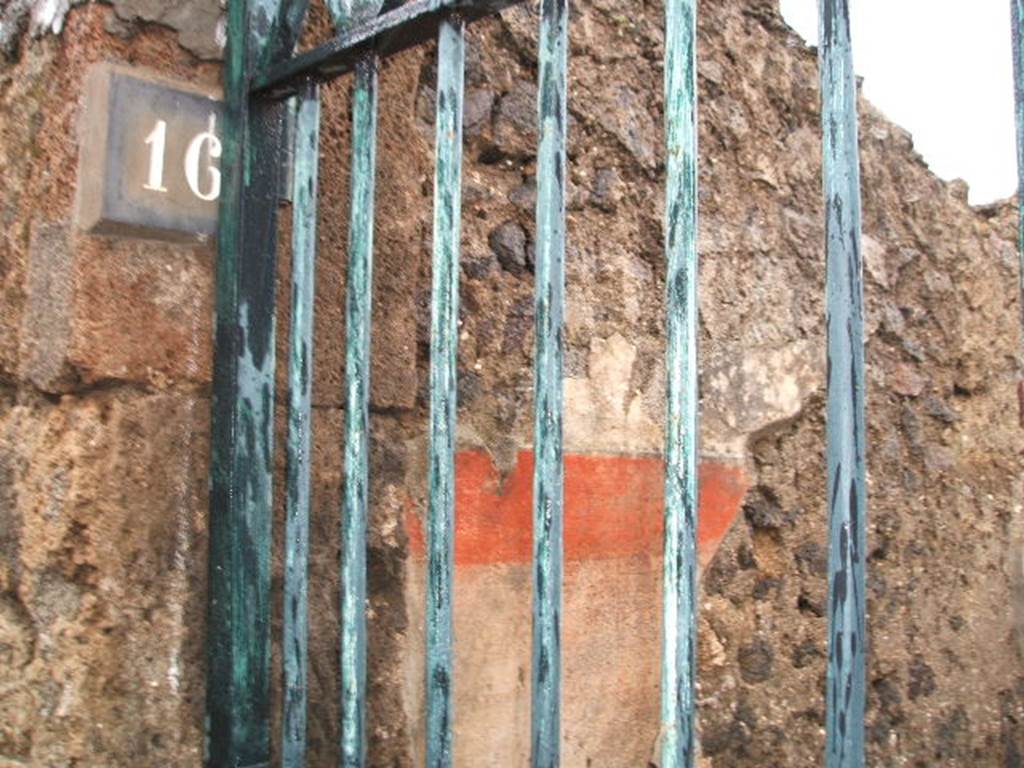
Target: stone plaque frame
121 106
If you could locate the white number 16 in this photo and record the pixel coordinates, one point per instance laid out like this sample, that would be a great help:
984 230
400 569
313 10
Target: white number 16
157 142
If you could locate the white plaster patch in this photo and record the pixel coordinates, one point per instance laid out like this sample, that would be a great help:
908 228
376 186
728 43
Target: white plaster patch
48 16
766 386
874 260
601 412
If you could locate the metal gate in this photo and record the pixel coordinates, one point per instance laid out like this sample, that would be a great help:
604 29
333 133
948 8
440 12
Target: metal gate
264 84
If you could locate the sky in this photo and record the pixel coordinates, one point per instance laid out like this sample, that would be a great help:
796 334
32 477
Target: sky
943 70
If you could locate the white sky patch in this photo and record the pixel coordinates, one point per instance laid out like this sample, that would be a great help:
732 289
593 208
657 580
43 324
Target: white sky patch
943 70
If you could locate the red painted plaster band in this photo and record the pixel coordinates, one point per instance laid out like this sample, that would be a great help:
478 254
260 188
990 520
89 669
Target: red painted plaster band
613 508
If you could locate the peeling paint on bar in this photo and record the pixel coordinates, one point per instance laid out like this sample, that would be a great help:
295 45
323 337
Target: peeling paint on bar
444 319
548 471
845 694
241 462
679 657
263 17
284 28
300 366
349 13
1017 31
357 423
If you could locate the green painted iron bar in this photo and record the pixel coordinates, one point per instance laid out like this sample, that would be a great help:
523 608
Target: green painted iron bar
404 27
1017 30
278 25
444 321
679 566
300 380
241 468
547 388
348 13
845 694
357 422
241 460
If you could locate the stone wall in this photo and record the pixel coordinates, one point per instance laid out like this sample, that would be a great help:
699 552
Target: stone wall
105 368
104 384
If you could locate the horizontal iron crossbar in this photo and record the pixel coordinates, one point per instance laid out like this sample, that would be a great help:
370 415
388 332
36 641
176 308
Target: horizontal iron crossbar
406 26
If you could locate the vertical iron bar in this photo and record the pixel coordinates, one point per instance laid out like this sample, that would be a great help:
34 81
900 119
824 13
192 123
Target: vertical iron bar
548 470
280 23
679 659
844 718
1017 31
348 13
357 425
241 458
300 379
443 405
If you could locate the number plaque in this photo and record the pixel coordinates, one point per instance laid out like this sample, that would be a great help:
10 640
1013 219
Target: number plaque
149 157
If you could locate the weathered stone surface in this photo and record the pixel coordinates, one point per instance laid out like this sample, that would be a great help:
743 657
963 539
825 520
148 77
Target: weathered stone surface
508 241
95 604
102 601
622 113
515 119
762 379
755 660
199 24
907 381
476 111
13 20
606 192
101 311
46 335
165 291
